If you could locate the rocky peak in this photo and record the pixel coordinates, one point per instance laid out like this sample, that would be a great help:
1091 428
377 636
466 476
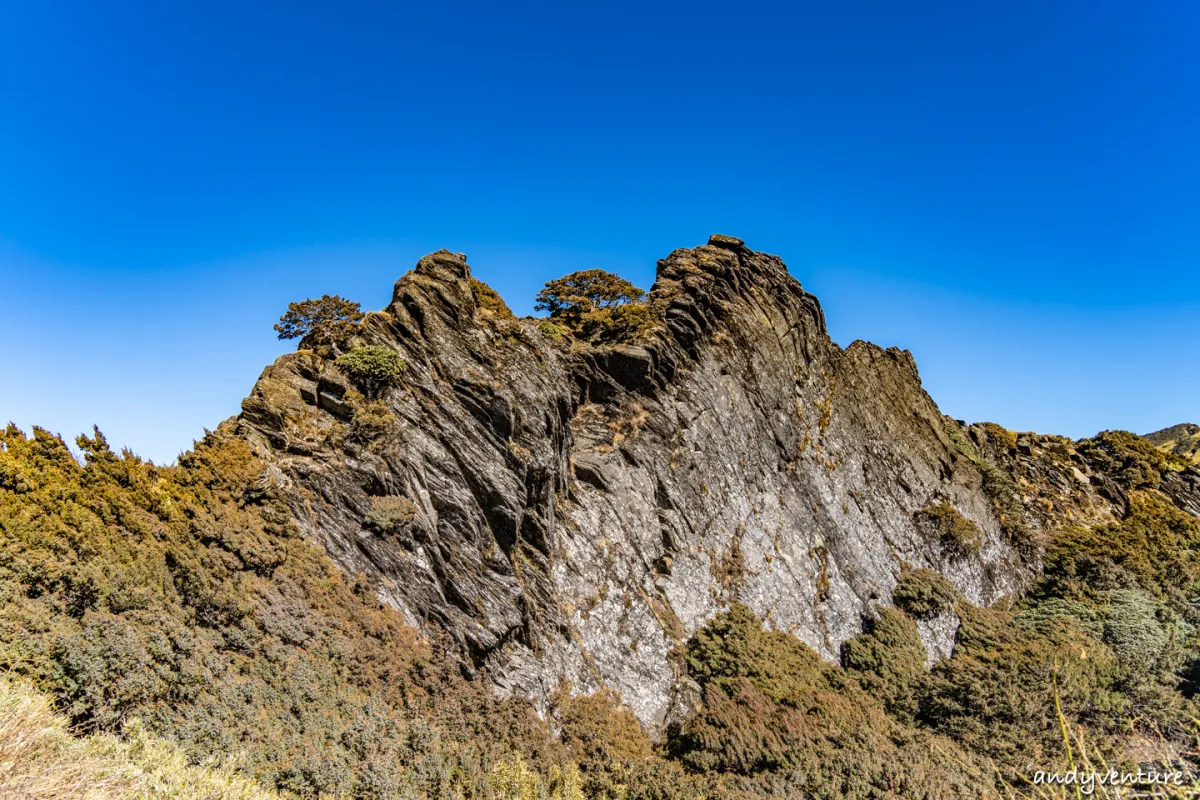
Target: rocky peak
575 512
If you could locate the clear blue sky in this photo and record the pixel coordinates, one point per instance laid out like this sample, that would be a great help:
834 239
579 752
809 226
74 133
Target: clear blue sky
1010 190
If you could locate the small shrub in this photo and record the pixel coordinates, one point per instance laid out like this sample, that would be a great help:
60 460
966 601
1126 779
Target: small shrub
728 568
956 532
329 316
373 368
11 476
372 419
1005 496
616 758
598 730
390 514
924 594
1000 435
552 330
488 301
1001 489
623 323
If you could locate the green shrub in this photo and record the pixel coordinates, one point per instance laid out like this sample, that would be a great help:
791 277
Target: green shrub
1156 547
185 596
776 720
1000 435
624 323
1005 497
1133 628
372 368
996 695
390 514
924 594
488 301
552 330
956 532
1131 585
1087 616
371 419
998 485
889 661
599 730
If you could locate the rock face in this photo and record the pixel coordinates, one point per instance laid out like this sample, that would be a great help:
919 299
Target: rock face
578 511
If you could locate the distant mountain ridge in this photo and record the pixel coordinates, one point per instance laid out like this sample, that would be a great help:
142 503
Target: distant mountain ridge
1183 439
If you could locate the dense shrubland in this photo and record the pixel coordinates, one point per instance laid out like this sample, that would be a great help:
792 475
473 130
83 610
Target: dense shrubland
1104 648
181 599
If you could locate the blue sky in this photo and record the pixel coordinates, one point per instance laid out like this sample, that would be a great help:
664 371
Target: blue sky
1010 190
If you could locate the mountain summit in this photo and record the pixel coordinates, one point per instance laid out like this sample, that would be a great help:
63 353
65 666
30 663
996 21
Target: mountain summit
574 512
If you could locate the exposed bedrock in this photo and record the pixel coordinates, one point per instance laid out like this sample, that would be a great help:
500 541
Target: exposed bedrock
581 510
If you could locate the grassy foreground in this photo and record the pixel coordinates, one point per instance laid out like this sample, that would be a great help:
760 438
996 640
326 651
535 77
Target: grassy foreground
40 759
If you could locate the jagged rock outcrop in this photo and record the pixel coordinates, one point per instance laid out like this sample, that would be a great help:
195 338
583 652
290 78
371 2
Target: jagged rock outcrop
578 511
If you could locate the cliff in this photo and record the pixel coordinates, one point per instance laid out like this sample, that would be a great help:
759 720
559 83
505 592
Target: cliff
574 512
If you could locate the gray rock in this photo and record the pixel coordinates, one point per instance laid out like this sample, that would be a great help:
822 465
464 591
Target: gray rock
583 510
938 634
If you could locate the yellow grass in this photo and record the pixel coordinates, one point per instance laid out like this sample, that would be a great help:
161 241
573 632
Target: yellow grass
41 760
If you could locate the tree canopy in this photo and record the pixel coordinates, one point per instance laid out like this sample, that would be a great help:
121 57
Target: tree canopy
598 305
572 296
330 315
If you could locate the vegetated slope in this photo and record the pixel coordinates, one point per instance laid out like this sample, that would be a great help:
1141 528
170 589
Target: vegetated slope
1183 439
713 517
184 597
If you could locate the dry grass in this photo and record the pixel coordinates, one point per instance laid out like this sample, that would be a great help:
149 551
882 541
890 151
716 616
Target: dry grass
41 760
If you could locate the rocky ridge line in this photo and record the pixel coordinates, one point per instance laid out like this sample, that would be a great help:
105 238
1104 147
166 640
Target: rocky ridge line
578 511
